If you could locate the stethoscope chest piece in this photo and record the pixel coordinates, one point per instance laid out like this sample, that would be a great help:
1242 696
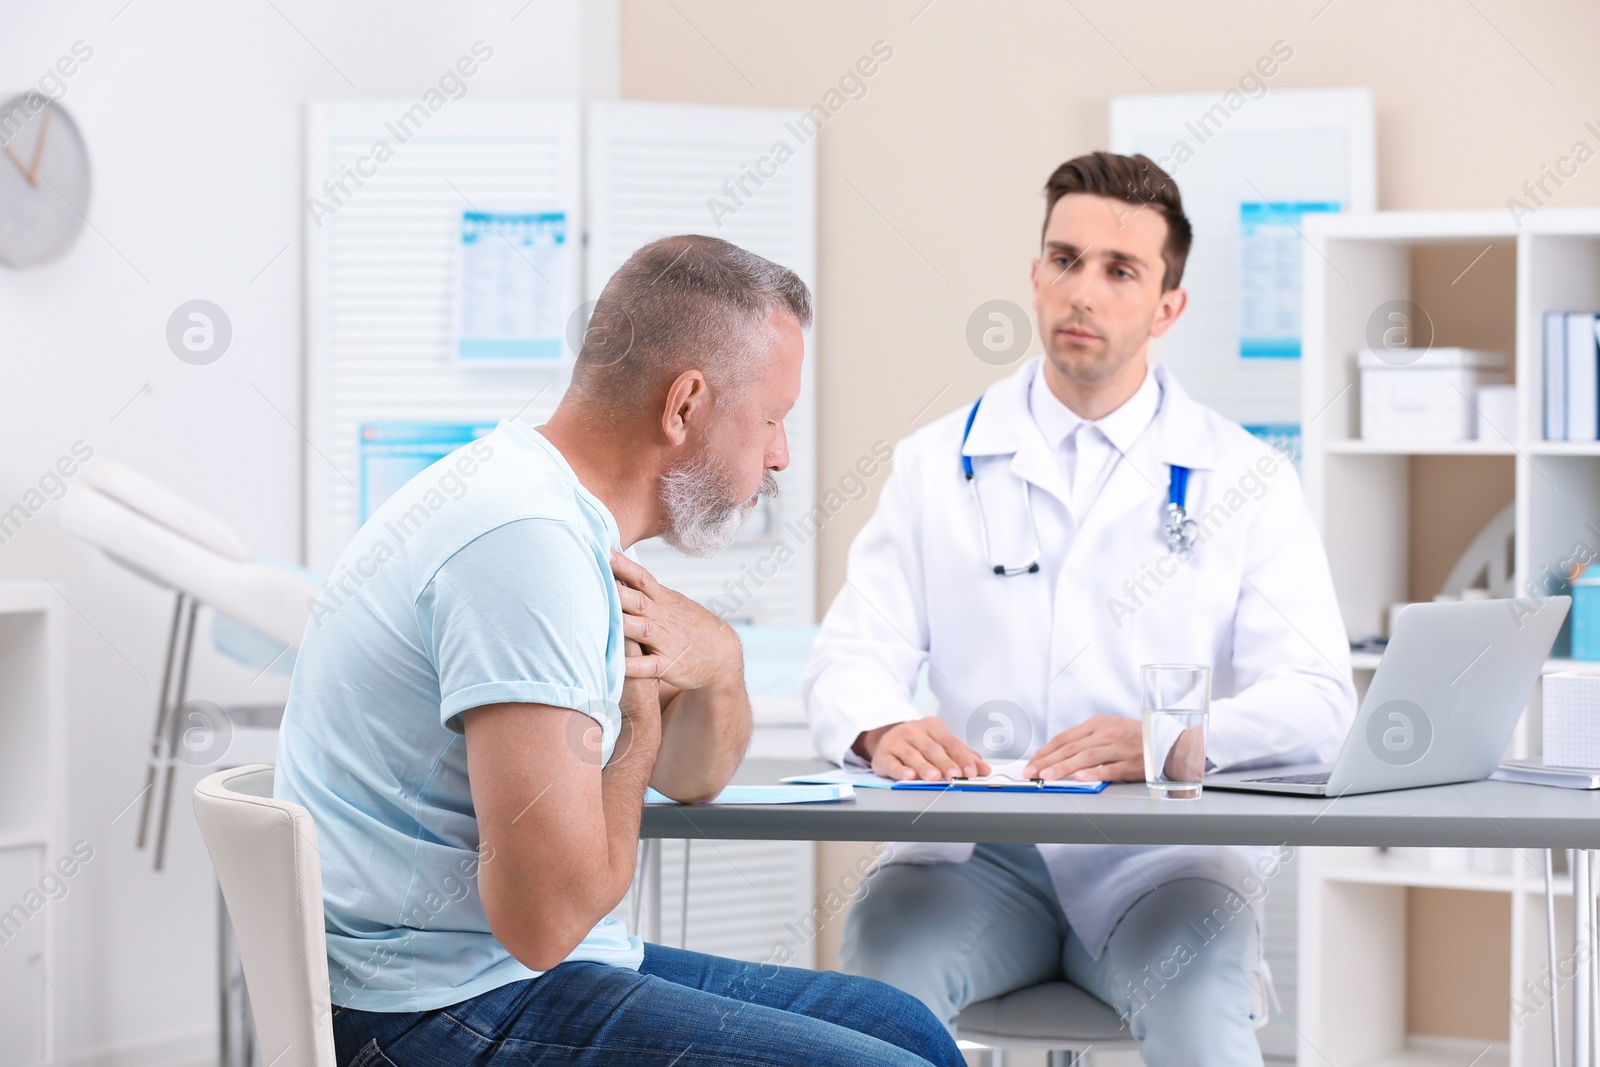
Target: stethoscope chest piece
1183 533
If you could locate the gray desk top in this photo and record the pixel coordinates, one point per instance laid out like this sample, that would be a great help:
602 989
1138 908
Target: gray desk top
1476 814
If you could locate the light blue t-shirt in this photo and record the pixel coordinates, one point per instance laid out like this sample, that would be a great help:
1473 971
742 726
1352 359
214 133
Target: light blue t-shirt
485 579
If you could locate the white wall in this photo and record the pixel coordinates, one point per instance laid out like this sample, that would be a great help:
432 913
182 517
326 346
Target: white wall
192 114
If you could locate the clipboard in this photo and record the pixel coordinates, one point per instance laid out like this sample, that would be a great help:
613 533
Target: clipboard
1003 783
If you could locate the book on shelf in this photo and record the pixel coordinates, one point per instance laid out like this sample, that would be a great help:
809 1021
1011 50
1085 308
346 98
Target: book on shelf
1555 375
1583 378
1571 376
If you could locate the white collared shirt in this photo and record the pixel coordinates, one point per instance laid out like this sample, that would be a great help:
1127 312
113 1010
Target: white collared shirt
1086 450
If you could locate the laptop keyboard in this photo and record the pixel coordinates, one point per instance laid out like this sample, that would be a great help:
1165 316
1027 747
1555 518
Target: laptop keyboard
1315 778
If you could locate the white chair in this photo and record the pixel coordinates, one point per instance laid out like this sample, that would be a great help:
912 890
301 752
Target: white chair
265 853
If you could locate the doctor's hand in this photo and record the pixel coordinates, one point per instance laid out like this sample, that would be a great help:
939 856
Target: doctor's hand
1105 748
921 748
683 646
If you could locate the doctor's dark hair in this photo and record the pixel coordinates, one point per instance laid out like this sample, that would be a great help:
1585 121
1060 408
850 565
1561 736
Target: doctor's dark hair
1133 179
678 304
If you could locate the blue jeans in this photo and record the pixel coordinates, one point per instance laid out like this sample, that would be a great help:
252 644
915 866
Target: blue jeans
952 934
683 1009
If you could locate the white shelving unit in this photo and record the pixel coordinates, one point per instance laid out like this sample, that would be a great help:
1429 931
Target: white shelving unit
1353 902
32 822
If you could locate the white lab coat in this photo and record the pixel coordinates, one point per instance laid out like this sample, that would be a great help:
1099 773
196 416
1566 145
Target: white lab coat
1255 601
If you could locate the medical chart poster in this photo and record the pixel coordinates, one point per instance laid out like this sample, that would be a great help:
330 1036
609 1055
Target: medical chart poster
1270 260
512 289
1236 157
390 454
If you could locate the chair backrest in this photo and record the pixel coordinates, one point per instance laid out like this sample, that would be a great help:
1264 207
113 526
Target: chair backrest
265 853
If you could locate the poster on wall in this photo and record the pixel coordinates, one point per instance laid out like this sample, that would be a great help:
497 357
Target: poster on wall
1269 277
512 291
392 453
1251 161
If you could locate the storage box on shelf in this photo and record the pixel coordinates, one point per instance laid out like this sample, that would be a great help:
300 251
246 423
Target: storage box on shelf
1428 395
1389 511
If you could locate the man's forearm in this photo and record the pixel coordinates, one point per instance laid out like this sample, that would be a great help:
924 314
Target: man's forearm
622 786
704 735
562 830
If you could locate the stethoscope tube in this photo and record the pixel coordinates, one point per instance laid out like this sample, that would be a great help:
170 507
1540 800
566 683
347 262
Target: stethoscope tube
1031 566
1182 532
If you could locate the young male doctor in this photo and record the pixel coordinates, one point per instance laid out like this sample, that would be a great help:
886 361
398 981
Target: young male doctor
1021 548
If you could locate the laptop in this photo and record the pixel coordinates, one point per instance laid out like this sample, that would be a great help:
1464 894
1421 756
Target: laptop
1442 704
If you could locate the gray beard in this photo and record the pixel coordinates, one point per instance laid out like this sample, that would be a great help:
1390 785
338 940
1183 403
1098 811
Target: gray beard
703 516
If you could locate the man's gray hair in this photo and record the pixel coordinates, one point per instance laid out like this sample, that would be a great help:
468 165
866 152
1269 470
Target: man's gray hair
678 304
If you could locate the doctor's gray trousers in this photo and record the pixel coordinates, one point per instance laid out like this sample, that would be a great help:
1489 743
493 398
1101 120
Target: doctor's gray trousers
951 934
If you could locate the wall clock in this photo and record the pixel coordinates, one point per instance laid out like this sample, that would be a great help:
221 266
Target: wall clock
44 181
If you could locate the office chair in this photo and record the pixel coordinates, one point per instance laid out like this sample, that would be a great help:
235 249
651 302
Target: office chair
265 854
1059 1018
1056 1017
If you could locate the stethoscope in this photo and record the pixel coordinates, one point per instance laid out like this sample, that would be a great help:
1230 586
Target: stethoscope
1182 532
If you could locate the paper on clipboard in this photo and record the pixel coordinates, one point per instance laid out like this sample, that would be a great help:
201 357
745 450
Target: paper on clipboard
1005 783
865 779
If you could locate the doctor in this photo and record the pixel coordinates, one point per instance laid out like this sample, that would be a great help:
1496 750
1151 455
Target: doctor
1021 548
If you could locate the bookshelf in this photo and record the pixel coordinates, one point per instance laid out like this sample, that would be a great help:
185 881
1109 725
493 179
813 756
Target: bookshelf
32 820
1394 519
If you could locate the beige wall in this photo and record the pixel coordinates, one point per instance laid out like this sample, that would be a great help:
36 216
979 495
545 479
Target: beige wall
929 185
1470 294
1458 949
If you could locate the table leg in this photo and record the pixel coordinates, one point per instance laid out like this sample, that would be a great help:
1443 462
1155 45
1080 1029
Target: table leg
1582 902
650 886
1592 960
225 1030
683 910
636 889
236 1025
1550 945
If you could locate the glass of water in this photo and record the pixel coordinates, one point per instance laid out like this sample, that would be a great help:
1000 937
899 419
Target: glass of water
1175 701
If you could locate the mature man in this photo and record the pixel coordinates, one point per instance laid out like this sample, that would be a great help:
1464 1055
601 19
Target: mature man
460 728
1020 549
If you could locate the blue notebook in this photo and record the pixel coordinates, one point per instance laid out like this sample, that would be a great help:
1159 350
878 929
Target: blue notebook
768 794
860 779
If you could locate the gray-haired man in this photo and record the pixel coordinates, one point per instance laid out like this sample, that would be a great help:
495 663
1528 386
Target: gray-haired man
474 732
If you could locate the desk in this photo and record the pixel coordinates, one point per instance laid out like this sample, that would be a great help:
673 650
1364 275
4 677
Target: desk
1470 815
